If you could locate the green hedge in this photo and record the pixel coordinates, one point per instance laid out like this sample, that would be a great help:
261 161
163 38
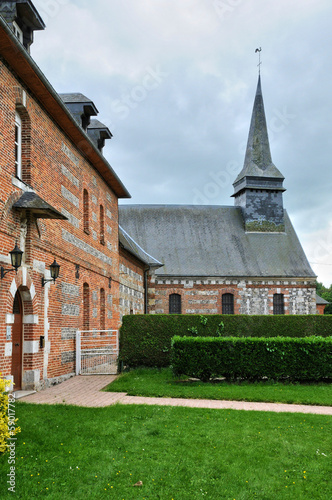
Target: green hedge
145 340
277 358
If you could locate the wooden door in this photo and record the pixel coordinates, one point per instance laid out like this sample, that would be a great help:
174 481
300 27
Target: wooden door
17 343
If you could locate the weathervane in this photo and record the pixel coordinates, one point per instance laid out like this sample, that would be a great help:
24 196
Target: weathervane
259 63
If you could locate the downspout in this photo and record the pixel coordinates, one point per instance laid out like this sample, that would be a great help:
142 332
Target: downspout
146 290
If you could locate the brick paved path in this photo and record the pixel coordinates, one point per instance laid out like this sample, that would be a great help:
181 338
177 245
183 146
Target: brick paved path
86 391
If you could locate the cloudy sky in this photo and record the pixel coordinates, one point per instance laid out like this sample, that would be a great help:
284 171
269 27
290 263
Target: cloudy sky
174 80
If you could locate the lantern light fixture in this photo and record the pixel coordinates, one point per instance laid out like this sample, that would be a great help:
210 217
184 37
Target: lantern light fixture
54 268
16 261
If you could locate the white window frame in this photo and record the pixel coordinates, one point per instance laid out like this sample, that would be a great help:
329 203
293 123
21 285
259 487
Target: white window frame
18 32
18 146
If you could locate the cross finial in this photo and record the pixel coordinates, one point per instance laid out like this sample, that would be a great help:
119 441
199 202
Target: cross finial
259 55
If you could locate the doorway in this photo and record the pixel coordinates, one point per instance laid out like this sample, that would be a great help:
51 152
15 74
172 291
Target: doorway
17 340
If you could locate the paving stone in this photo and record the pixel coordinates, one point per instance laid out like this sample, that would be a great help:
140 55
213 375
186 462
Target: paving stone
86 391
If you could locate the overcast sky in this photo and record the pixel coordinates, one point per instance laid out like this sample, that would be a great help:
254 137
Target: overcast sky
174 80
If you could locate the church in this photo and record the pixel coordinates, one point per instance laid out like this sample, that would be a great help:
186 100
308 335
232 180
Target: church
73 262
241 259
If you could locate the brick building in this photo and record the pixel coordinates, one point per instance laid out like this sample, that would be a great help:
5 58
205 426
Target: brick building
59 203
244 259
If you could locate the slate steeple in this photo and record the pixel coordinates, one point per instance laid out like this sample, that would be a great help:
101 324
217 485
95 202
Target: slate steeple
259 186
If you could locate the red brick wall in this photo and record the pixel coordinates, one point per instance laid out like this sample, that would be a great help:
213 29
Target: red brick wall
58 173
321 308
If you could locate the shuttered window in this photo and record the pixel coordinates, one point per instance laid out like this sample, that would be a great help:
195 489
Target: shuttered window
175 303
278 303
227 302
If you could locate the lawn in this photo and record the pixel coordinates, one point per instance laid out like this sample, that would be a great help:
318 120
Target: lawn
161 383
178 453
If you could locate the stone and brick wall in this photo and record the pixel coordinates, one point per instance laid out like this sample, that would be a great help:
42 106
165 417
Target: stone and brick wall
58 172
204 296
131 284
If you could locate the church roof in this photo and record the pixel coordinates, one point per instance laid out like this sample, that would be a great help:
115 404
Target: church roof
194 240
258 160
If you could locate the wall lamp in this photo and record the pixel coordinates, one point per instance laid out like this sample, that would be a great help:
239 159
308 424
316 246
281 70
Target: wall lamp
16 260
54 268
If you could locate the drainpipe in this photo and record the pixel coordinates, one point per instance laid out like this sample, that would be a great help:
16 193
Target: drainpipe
146 291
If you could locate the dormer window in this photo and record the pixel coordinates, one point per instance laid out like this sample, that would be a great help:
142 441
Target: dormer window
18 32
80 107
23 19
98 132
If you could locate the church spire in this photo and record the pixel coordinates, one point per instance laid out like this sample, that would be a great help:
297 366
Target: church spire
258 187
258 160
258 146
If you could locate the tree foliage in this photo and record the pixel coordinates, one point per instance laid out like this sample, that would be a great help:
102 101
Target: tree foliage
325 293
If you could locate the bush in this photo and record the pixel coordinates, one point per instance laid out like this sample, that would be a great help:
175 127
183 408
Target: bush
277 358
6 427
145 340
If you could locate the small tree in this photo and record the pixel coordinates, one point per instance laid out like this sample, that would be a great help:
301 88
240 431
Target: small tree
6 430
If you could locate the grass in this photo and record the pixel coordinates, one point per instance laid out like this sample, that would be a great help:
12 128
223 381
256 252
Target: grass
160 383
178 453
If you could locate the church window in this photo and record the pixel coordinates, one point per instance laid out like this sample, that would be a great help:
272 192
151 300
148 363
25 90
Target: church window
175 303
278 303
227 302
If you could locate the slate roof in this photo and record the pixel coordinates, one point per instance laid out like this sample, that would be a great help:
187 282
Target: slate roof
99 126
321 301
75 97
37 206
194 240
129 244
258 160
96 124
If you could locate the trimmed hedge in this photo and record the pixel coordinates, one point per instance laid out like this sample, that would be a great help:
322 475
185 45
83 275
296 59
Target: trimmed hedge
277 358
145 340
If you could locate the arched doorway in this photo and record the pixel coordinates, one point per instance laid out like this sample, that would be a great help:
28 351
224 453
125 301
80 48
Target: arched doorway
17 340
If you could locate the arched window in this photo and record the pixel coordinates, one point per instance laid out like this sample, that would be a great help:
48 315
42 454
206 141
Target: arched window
101 225
175 303
86 307
86 212
102 310
278 304
18 146
227 303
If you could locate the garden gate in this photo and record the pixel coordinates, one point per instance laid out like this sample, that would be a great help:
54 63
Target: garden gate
97 352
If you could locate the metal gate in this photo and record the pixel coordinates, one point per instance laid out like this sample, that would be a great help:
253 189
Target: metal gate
97 352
